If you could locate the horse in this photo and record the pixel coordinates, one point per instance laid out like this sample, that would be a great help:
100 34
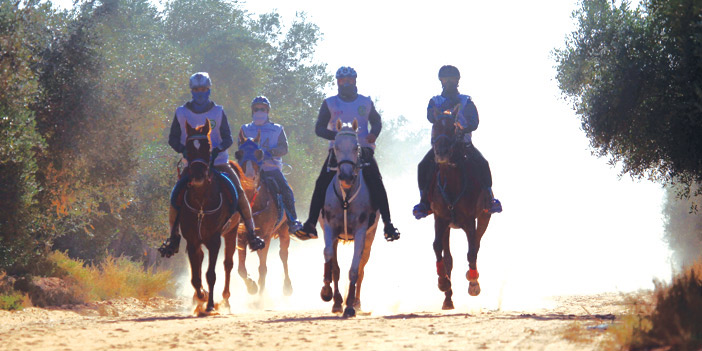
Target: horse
349 216
206 216
268 214
460 202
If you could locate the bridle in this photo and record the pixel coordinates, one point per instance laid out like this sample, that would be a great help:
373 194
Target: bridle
356 169
199 160
201 212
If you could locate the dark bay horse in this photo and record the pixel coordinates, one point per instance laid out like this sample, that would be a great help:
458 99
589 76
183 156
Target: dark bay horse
268 214
207 215
457 200
347 215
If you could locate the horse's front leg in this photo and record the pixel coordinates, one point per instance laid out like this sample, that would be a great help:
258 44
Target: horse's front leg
229 250
213 250
262 267
370 236
251 286
444 261
473 247
359 245
195 256
284 237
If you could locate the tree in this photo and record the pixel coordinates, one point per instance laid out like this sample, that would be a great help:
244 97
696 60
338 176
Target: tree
634 77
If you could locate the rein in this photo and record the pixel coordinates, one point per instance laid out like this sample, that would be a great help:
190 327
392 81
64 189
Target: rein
442 189
345 200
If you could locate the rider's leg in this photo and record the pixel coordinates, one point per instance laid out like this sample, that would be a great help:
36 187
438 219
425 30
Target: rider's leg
476 159
255 243
171 245
425 172
379 197
288 198
309 229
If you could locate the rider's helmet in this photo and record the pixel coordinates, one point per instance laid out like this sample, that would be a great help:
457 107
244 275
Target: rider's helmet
449 71
200 79
345 71
261 100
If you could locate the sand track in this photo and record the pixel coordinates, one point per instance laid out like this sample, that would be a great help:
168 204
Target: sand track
166 324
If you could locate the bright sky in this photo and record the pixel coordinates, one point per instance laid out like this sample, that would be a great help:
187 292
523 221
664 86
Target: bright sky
570 225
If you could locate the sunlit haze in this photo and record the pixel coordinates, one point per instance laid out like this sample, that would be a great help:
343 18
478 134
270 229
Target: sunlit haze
570 225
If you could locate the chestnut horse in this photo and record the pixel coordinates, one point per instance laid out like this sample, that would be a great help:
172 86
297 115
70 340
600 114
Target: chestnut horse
457 200
207 215
268 214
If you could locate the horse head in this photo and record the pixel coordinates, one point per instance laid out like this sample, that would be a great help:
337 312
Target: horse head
347 152
444 133
197 146
250 155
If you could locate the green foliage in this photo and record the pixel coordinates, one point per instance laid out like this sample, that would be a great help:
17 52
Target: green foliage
635 78
12 302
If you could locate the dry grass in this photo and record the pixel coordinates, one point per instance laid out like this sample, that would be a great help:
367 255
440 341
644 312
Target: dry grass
668 318
576 332
113 278
10 299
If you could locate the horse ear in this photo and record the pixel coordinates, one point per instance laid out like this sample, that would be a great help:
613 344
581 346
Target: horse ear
206 127
354 125
258 137
242 136
189 130
338 125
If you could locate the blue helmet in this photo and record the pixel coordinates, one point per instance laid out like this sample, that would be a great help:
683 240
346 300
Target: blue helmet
200 79
345 71
261 100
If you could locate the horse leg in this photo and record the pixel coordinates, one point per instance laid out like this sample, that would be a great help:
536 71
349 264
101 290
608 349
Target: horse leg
359 243
336 273
284 238
251 286
370 235
262 267
213 250
443 256
473 247
229 250
195 256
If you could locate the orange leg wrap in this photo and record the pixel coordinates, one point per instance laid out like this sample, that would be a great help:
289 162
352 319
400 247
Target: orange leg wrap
440 271
473 274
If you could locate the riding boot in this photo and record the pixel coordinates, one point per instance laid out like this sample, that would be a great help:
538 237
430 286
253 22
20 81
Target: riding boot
425 171
172 244
289 203
379 197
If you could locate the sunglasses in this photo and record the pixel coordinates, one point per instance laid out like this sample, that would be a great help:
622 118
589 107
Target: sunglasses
260 109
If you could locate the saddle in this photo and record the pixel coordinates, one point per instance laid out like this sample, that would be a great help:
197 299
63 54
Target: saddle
225 184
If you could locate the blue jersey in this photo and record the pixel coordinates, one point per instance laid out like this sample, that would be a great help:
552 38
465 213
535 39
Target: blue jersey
270 133
467 113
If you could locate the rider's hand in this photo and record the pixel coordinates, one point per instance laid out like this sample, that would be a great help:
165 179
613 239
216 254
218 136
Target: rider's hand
371 138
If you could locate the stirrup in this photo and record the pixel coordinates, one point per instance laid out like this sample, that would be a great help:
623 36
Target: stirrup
170 246
391 233
307 232
421 210
496 206
294 226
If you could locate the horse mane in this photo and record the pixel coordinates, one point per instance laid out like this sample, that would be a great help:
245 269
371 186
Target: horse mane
246 182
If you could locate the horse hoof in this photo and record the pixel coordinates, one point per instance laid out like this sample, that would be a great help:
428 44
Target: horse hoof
474 288
251 287
287 288
327 294
337 308
448 305
444 284
357 305
349 312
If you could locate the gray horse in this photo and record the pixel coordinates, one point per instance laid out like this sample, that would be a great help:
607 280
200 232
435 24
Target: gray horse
347 215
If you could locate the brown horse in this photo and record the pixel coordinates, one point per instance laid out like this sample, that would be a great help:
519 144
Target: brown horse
457 200
207 214
268 214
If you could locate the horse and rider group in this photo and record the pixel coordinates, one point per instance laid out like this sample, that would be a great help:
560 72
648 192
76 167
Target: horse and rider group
249 202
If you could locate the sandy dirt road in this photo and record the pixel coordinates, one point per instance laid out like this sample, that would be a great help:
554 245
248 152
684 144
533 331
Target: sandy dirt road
167 324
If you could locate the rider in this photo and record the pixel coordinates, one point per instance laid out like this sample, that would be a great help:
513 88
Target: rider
468 118
195 112
274 143
347 105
